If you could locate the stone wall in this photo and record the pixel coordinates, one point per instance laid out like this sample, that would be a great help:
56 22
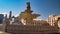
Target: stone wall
2 27
30 29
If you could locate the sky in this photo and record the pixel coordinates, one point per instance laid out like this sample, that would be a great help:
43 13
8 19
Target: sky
42 7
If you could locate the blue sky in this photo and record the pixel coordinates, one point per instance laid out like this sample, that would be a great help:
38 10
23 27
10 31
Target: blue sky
42 7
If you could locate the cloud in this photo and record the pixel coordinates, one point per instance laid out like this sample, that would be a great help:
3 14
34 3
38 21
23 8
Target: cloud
37 19
16 15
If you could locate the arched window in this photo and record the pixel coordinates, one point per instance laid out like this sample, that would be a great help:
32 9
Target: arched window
58 18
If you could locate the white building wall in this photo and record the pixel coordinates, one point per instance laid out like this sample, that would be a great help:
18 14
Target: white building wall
52 19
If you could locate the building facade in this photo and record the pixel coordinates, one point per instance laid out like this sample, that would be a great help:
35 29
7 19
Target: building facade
1 18
53 20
